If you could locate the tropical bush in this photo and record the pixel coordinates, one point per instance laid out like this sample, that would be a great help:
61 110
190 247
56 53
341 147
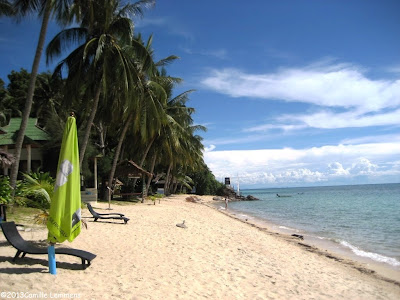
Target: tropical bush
38 189
205 182
5 190
155 197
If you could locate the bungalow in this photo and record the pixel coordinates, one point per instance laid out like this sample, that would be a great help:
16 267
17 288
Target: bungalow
31 153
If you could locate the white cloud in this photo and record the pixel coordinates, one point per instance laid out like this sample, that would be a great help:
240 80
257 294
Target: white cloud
327 164
393 69
267 127
363 167
218 53
331 86
384 138
361 101
337 169
172 26
209 148
237 140
144 22
329 119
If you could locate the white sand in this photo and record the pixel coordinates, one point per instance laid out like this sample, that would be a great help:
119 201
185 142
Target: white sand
215 257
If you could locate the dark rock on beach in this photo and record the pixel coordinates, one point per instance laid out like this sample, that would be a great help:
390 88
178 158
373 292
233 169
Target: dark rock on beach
298 236
251 198
233 196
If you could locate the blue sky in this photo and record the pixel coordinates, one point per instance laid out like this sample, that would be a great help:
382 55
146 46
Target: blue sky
293 93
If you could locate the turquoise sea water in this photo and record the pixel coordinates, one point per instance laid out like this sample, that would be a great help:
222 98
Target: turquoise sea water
364 219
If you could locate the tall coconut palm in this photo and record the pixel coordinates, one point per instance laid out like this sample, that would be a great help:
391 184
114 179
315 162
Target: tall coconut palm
177 144
44 8
105 30
154 94
145 110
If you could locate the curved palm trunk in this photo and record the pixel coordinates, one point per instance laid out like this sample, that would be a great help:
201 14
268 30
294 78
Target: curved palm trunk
102 130
175 187
144 157
29 98
147 151
116 156
89 125
166 184
153 163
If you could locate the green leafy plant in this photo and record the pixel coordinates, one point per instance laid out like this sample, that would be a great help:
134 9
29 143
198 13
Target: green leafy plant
155 197
38 189
5 190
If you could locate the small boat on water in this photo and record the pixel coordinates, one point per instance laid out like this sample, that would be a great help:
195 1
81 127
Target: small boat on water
283 196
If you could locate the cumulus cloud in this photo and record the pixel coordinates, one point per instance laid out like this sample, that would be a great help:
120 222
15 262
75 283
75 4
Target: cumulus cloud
340 163
337 169
363 167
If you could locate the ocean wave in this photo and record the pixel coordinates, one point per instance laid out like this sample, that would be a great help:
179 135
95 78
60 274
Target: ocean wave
371 255
288 228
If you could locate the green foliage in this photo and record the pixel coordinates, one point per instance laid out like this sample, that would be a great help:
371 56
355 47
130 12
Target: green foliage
17 91
155 197
120 72
3 93
205 182
5 190
38 189
48 97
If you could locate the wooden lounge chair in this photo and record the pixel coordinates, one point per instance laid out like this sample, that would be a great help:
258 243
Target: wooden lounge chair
15 239
115 216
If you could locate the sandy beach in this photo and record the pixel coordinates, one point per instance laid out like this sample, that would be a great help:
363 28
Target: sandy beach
216 257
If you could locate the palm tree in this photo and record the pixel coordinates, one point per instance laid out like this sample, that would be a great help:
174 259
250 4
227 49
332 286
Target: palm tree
21 8
177 145
145 112
48 97
153 96
6 8
105 30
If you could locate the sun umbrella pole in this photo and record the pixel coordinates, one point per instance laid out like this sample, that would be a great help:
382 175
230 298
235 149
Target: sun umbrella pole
52 259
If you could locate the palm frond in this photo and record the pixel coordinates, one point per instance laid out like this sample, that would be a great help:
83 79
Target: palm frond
64 39
166 61
136 9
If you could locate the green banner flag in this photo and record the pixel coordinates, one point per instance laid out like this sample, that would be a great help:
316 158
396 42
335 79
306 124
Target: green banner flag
64 221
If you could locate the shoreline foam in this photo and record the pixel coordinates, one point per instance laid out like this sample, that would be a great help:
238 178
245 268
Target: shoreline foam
341 251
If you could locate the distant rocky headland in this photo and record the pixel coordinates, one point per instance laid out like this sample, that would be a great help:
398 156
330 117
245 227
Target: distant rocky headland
230 193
